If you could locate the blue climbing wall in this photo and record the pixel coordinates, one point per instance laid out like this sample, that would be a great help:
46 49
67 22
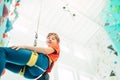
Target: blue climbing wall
111 17
5 22
114 34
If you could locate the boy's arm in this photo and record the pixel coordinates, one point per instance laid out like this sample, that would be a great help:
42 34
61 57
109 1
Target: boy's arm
43 50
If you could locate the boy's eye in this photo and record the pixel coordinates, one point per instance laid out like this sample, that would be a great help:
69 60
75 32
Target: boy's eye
53 38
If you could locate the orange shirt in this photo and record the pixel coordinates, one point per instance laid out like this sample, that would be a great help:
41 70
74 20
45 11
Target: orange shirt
53 56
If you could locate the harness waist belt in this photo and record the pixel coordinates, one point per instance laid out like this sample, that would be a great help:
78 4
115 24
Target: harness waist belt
33 59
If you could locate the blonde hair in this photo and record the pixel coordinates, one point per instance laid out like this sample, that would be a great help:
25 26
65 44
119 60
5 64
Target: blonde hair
54 34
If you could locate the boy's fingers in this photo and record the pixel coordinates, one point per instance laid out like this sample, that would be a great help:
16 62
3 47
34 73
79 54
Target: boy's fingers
13 47
17 48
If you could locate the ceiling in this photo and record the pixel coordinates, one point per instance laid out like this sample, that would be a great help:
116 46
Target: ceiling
69 18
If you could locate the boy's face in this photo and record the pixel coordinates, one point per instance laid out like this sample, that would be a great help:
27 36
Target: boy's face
51 40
